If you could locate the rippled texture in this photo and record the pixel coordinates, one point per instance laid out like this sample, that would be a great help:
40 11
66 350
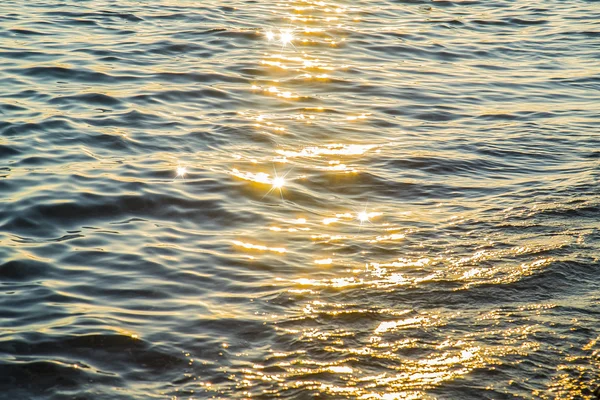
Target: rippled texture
363 200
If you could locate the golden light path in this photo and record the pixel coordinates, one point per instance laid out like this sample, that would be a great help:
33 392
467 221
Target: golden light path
290 74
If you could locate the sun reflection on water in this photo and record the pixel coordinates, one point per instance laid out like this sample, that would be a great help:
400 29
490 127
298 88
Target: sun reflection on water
259 247
337 339
181 171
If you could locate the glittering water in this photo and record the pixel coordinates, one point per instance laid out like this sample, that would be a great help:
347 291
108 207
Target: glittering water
258 199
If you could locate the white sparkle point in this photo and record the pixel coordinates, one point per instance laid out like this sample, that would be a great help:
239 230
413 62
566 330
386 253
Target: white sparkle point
181 171
286 37
270 36
363 216
278 182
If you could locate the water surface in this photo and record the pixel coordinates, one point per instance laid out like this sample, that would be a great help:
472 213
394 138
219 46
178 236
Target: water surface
256 199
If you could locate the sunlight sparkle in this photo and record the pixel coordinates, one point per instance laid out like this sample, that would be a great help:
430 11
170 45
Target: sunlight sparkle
278 182
181 171
286 37
363 216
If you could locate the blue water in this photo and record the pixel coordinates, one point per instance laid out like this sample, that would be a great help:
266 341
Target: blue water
299 199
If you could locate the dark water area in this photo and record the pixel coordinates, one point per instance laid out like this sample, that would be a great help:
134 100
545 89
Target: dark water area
379 199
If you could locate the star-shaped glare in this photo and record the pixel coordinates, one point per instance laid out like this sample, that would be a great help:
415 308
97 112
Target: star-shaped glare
181 171
286 37
277 183
363 216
